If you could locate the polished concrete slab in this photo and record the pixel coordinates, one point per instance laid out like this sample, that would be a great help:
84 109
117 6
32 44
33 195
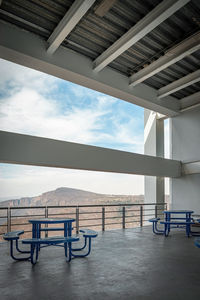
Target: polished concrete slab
124 264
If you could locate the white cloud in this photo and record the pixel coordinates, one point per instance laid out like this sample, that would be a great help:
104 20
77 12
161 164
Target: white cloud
16 77
29 112
127 133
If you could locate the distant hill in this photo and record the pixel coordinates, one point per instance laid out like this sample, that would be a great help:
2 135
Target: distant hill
69 196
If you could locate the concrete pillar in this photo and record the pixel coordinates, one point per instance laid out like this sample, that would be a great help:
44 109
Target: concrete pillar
154 146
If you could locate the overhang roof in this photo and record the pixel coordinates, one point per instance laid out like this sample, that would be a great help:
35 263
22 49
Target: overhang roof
105 22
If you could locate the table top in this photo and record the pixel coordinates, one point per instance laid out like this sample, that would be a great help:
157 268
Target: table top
51 221
178 211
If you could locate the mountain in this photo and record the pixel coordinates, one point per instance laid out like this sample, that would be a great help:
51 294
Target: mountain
69 196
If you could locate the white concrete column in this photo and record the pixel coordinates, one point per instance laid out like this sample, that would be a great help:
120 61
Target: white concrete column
153 145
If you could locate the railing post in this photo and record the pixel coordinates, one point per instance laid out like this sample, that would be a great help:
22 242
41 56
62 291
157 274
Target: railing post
77 220
103 218
141 216
123 217
8 219
156 211
46 216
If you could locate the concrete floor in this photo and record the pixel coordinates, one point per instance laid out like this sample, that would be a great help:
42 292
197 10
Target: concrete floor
124 264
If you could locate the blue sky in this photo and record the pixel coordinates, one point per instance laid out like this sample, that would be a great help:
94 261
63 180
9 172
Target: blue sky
38 104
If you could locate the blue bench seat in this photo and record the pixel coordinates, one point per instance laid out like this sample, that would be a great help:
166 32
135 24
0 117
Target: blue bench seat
154 222
177 224
88 235
50 240
13 236
35 245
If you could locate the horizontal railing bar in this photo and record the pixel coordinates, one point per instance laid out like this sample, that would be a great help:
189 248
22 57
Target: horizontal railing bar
132 222
87 205
135 216
130 215
91 225
148 215
61 214
69 213
109 218
113 223
127 216
27 231
114 211
26 207
89 212
14 224
132 210
90 219
27 216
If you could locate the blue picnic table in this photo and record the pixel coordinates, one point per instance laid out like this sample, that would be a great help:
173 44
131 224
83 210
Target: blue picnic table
177 219
37 226
37 241
174 219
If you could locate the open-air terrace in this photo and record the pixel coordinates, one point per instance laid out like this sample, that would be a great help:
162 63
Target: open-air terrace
124 264
145 53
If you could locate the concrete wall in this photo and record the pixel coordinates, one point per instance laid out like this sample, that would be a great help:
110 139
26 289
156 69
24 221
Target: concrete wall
185 136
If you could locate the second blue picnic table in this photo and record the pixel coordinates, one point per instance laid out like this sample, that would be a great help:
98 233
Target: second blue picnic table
184 219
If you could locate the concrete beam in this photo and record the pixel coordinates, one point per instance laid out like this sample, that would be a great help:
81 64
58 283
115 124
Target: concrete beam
179 84
173 55
191 100
31 150
192 107
29 50
68 22
191 168
155 17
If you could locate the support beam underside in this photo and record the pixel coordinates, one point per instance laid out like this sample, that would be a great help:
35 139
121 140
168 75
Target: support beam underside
173 55
191 100
68 22
179 84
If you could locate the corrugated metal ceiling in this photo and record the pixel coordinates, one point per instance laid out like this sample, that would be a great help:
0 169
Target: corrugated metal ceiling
94 34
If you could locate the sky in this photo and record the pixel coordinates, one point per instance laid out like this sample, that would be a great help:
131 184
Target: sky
38 104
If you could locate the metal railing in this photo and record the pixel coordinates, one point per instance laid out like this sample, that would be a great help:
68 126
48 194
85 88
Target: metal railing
99 217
